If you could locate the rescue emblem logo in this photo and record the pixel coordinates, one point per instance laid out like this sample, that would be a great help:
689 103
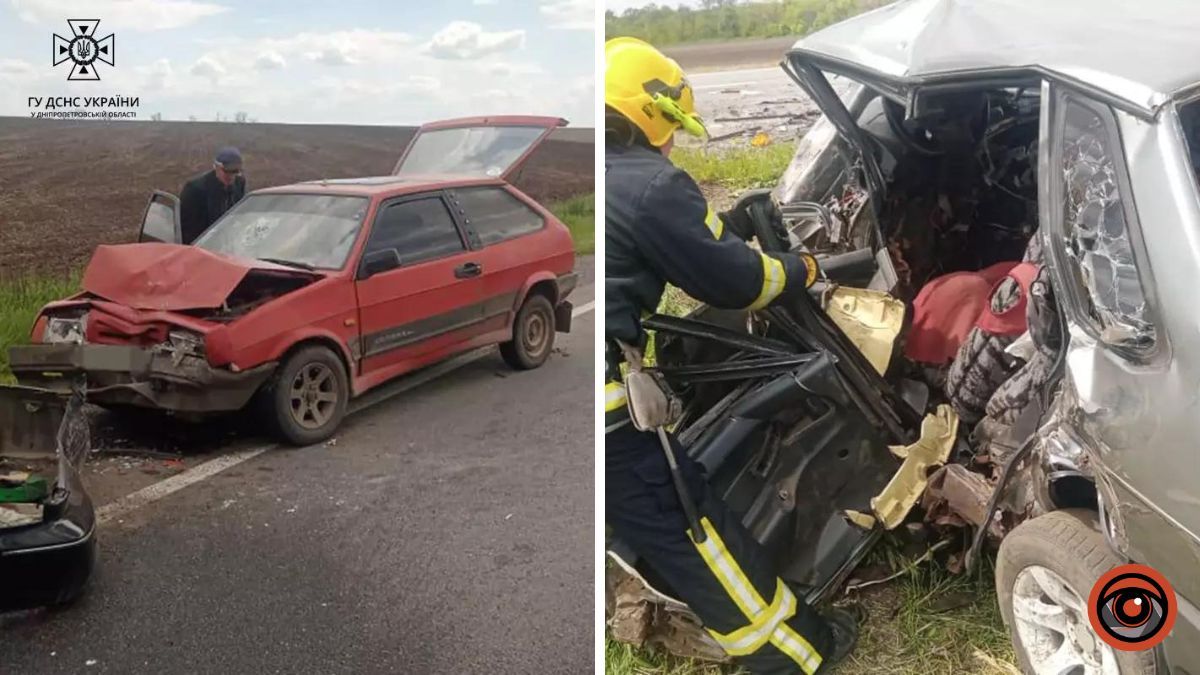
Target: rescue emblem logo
84 49
1132 607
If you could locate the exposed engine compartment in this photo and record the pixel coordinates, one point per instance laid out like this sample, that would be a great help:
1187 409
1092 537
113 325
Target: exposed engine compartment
257 288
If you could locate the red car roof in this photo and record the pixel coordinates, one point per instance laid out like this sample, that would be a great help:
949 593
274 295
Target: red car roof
372 186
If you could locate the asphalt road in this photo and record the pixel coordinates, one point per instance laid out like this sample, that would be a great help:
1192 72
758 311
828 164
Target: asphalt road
736 104
448 530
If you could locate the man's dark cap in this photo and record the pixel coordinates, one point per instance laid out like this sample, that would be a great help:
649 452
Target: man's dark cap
229 157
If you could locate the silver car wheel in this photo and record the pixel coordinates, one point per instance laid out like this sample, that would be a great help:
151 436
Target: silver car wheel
1053 625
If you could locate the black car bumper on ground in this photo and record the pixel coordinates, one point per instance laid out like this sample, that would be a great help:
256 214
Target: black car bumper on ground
47 562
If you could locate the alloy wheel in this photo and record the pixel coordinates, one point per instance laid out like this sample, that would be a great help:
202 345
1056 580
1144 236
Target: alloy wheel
314 396
1052 622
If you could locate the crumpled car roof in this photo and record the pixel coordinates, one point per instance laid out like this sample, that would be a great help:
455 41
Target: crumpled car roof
1142 52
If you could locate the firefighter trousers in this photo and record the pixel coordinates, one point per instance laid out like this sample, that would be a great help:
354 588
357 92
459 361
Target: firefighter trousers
728 580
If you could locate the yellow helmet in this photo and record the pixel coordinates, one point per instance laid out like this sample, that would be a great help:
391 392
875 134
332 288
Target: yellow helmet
649 89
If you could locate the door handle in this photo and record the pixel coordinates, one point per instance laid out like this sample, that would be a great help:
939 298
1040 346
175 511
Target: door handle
468 270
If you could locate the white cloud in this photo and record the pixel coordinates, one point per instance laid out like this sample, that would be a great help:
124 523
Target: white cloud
270 60
503 69
467 40
337 48
570 14
340 55
157 76
207 66
137 15
16 69
484 2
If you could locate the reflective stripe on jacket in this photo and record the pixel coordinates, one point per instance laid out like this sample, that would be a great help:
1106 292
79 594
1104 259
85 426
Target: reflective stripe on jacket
658 229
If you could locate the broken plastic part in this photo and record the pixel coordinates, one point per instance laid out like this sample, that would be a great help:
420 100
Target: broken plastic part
938 431
864 520
871 319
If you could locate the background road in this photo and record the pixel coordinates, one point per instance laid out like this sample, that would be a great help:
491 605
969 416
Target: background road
751 100
447 530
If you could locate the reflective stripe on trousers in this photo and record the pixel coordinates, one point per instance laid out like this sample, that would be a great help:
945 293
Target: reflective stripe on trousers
766 622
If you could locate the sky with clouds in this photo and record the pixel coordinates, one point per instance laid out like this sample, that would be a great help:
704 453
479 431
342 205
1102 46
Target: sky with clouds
306 61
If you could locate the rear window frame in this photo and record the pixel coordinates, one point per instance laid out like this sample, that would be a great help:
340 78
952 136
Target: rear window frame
473 234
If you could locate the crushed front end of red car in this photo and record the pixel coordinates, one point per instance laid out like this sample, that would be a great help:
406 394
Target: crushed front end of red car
151 329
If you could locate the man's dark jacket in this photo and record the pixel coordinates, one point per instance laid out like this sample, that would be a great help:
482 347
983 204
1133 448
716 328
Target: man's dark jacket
204 199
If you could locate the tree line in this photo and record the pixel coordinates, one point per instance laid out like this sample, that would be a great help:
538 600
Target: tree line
726 19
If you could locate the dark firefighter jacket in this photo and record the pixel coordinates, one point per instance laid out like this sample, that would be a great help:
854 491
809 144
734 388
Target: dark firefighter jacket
204 199
658 229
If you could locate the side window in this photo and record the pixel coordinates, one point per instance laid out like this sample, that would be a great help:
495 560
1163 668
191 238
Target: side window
1096 236
496 215
418 229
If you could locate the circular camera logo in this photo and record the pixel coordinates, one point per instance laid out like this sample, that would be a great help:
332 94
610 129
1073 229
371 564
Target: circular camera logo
1132 608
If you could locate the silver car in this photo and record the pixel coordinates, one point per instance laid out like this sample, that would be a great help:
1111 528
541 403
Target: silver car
955 136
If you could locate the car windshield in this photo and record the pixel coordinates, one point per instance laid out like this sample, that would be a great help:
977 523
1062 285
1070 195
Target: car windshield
474 151
304 230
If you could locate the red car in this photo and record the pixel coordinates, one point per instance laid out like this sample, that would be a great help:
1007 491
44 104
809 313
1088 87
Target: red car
304 296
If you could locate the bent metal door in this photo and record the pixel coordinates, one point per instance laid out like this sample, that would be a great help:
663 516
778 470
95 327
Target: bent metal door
1131 385
419 288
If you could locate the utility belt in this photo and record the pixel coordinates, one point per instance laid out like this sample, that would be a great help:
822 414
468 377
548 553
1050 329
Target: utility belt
653 405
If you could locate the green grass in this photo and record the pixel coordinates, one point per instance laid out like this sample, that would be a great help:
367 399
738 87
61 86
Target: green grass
20 301
927 622
738 168
579 215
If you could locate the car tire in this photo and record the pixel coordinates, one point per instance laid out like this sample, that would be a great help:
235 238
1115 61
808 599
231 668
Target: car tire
309 396
1053 561
533 334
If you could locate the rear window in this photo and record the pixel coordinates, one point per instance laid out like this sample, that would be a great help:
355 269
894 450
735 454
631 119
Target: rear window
471 151
495 215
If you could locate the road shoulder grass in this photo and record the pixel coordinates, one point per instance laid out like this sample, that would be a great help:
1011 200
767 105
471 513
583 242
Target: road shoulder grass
579 215
20 300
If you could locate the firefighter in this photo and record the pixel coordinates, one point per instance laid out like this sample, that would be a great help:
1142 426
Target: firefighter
658 230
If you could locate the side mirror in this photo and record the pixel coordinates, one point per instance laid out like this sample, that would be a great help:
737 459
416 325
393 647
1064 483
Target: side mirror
377 262
160 220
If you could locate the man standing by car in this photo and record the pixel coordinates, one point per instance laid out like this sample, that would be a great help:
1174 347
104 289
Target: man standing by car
208 196
658 230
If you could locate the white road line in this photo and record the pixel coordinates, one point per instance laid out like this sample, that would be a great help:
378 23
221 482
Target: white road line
152 493
155 492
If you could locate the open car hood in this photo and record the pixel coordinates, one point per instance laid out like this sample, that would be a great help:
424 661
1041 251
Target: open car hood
169 277
495 146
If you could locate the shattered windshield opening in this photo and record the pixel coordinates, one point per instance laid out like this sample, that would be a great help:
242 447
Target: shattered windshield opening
1097 235
307 230
474 151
